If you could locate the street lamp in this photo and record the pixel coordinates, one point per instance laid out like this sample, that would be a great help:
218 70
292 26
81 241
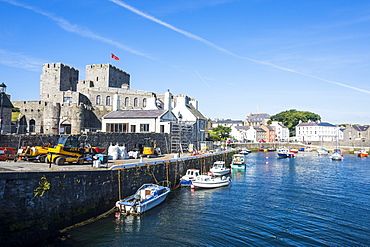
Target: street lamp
180 125
2 92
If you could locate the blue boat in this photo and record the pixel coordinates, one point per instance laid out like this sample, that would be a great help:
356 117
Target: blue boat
189 177
238 162
284 153
146 197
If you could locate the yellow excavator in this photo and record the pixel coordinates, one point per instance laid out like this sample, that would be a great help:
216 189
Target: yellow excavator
149 148
70 149
37 153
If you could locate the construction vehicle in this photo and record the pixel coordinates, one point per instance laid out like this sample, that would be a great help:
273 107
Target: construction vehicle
149 148
71 149
37 153
7 153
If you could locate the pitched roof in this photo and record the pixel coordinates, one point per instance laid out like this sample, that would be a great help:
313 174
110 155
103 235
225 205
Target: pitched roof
242 127
195 112
258 117
134 114
322 124
360 128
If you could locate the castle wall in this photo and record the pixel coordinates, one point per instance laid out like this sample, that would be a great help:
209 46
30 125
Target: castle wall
57 77
106 75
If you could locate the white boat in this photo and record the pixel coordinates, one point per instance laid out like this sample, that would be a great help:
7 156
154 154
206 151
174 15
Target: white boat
219 168
336 156
238 161
190 176
245 151
284 153
206 181
145 198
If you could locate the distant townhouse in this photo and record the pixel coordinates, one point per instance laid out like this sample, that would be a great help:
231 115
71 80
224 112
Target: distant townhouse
243 133
225 123
270 133
317 131
261 134
257 119
356 133
281 132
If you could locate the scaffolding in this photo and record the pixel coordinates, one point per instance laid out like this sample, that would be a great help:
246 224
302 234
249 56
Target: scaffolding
182 134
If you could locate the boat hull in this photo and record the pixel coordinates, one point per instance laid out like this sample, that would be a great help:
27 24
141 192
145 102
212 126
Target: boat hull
130 206
211 185
238 166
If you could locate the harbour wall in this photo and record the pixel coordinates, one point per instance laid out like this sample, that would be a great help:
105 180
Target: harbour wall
35 206
101 140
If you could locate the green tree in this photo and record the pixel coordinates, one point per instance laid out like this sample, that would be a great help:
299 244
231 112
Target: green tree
219 133
291 118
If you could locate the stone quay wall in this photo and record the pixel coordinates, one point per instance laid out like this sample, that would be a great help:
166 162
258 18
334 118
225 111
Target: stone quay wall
35 206
102 140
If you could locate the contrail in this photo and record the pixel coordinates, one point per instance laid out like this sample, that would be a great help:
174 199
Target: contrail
203 80
196 37
81 31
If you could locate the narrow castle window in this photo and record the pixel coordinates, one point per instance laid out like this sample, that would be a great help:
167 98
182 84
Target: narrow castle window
144 102
127 101
107 101
135 102
97 78
98 100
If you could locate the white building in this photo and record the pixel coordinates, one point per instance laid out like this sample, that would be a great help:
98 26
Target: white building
281 132
243 133
153 118
317 131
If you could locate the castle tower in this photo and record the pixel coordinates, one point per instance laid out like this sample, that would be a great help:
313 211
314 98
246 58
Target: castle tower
57 77
106 75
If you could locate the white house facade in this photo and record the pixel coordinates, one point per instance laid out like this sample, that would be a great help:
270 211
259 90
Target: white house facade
317 131
281 132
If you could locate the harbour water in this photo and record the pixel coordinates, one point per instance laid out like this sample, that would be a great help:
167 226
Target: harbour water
308 200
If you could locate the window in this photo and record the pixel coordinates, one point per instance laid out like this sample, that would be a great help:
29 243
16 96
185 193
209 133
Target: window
107 100
135 102
117 127
98 100
133 128
144 102
161 128
67 99
144 127
127 101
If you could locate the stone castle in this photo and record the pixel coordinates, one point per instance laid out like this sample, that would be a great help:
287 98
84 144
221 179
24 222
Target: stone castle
70 106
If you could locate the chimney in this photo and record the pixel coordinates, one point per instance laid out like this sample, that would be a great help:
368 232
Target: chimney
168 101
151 104
116 102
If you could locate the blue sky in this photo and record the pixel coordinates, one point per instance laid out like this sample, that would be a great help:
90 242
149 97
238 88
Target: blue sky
234 56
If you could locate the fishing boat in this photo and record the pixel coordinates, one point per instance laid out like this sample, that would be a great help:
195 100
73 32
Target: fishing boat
336 156
337 153
190 176
219 168
362 153
245 151
207 181
145 198
238 161
284 153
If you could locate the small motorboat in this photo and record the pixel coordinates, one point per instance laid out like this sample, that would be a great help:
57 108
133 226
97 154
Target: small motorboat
190 176
210 181
362 153
293 150
284 153
219 168
146 197
336 156
245 151
238 162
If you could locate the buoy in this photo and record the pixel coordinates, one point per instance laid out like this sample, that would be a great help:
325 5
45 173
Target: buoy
192 187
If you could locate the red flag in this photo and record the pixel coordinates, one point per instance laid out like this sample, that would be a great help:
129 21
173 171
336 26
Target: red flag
114 57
